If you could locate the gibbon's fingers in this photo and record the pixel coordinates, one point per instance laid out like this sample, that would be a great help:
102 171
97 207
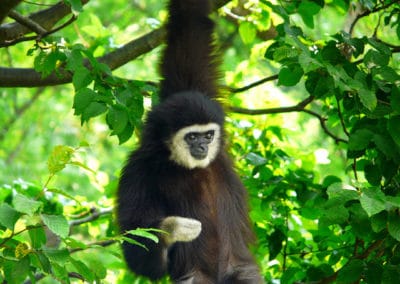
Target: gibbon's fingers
180 229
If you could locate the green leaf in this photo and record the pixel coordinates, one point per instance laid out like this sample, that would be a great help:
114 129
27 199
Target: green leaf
60 272
247 32
92 110
307 10
44 261
379 46
59 158
360 139
319 83
145 233
393 126
394 225
76 6
83 270
387 73
57 255
57 224
117 118
125 134
75 60
25 205
275 243
133 242
16 271
373 174
374 58
284 52
335 214
81 78
373 273
395 98
37 236
342 192
385 144
290 75
255 160
368 98
8 216
82 99
46 63
63 193
379 221
351 272
96 265
373 201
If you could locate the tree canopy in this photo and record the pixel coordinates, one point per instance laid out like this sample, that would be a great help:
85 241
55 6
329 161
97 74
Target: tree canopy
312 91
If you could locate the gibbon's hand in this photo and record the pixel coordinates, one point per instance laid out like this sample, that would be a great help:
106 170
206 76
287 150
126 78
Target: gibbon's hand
180 229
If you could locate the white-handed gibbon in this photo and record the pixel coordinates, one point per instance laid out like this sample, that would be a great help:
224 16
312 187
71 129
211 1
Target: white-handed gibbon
180 179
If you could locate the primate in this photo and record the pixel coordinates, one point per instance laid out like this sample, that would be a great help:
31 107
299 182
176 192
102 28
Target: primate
181 179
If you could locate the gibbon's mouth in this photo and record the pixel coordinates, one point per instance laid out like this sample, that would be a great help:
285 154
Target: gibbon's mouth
198 156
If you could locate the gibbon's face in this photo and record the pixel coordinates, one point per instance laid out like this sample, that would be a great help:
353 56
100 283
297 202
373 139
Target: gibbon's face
195 146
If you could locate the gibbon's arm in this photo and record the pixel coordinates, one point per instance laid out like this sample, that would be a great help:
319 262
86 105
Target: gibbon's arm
188 62
139 209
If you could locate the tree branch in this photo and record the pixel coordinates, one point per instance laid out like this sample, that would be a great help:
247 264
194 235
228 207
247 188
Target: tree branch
32 25
28 77
40 36
300 107
6 7
94 216
252 85
45 18
367 13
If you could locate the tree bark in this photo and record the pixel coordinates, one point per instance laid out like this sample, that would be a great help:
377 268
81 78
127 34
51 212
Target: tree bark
6 6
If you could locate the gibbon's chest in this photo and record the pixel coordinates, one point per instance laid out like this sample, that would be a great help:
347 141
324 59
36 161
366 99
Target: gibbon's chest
192 192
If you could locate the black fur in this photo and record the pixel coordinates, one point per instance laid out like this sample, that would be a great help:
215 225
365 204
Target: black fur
152 187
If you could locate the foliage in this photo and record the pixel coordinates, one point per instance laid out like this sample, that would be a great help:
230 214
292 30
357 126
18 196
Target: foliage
322 173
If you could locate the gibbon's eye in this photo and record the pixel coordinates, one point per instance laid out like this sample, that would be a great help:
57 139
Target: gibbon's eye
191 137
210 135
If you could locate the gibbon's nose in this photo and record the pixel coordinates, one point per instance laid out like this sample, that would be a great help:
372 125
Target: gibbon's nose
199 151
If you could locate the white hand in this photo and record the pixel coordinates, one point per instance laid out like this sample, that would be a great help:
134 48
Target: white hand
180 229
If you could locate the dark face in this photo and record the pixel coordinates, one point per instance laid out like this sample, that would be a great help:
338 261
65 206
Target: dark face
198 143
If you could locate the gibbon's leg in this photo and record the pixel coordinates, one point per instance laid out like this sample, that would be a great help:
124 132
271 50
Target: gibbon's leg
244 274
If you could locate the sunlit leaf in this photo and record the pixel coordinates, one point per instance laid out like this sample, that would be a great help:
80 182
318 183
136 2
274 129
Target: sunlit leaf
26 205
59 158
57 224
247 32
8 216
373 201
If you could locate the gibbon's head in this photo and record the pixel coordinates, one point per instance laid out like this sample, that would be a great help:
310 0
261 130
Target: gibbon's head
189 125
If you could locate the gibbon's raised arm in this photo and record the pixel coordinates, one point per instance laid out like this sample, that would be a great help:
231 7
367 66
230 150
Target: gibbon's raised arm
189 62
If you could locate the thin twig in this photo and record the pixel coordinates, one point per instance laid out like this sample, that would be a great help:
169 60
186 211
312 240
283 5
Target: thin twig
300 107
322 122
105 243
94 216
252 85
367 13
39 36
